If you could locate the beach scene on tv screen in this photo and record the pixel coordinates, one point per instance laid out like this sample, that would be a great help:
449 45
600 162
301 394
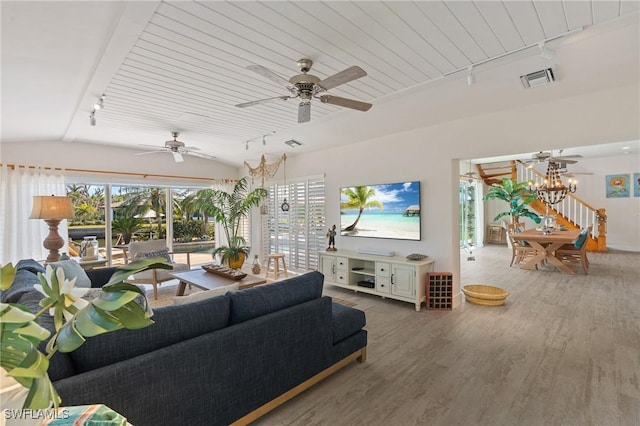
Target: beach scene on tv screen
381 211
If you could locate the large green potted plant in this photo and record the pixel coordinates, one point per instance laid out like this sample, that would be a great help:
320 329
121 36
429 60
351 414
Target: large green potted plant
229 209
517 195
119 305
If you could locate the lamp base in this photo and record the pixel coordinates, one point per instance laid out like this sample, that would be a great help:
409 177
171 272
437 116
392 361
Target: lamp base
54 241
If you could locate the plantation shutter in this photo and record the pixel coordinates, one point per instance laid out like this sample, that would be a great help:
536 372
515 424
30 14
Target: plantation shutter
298 233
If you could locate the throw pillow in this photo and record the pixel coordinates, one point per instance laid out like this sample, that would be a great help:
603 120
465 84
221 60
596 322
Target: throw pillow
72 269
201 295
158 253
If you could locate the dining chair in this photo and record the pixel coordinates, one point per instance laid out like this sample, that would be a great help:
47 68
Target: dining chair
520 252
576 252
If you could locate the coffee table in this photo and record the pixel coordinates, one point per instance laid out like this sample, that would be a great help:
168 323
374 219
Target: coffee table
208 281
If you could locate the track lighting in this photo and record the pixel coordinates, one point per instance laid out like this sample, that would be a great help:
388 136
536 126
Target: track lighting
264 140
246 145
92 118
471 78
100 104
545 52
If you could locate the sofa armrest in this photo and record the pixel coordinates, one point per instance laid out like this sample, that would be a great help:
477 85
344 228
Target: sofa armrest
99 277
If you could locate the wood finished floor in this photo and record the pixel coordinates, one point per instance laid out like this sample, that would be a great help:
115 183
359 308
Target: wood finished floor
564 350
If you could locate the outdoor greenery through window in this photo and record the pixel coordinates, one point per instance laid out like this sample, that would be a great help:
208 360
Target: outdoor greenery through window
138 213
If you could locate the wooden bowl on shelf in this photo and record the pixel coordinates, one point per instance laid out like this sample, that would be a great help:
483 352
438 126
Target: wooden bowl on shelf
485 295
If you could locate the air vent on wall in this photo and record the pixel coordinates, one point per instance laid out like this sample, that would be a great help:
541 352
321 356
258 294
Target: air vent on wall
293 143
538 78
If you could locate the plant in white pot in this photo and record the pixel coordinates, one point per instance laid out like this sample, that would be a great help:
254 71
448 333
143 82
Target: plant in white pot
119 305
229 209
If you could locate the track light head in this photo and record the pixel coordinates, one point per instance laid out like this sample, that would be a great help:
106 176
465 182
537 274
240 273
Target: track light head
545 52
246 145
92 118
100 104
471 78
264 140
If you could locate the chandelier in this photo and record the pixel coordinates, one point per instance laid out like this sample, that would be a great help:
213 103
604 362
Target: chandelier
552 190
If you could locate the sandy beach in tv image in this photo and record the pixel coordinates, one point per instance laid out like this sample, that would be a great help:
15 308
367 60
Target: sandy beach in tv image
381 211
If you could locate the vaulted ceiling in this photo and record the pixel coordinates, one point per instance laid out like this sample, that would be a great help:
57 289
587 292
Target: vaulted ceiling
182 66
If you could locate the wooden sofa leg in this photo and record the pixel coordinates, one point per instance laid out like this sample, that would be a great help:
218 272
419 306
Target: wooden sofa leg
363 355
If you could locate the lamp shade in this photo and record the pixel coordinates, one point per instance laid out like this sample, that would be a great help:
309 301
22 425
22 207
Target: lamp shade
51 207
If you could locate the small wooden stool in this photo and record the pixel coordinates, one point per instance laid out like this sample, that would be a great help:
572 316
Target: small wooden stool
276 265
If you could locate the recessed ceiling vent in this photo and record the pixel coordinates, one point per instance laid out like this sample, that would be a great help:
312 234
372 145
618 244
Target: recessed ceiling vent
293 143
538 78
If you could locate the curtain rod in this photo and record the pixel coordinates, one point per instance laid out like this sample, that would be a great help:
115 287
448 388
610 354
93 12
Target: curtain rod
107 172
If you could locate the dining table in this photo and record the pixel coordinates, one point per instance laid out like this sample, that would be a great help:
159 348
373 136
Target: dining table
546 243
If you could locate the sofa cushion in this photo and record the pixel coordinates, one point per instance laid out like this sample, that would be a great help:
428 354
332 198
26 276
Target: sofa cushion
262 299
100 276
172 324
207 294
30 265
346 321
72 269
23 283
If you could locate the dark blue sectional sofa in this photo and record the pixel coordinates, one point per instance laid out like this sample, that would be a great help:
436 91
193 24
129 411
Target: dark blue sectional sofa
227 359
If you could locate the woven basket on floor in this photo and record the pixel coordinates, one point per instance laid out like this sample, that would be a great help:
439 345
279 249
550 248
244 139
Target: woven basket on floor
485 295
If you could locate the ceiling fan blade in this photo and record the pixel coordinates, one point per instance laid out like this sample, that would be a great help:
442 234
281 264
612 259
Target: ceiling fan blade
190 148
150 152
568 156
304 112
262 101
177 157
342 77
201 155
563 160
344 102
266 72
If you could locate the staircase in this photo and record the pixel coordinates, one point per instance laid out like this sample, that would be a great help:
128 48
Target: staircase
572 212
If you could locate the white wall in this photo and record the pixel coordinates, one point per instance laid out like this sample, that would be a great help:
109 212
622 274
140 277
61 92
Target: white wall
623 214
430 156
111 158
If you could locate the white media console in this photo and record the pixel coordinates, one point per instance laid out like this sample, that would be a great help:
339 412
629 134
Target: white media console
394 277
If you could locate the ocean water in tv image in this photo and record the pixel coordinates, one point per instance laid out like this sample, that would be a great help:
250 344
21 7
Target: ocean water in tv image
388 211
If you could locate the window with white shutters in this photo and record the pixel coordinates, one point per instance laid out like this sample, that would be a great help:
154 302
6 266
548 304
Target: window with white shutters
300 232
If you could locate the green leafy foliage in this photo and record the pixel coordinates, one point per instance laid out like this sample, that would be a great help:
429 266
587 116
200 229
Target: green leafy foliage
517 195
228 209
119 305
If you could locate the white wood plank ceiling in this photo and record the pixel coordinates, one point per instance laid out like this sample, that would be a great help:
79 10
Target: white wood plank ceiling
186 69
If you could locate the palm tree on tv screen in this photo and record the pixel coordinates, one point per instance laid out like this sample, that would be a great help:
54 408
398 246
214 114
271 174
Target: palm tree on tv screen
359 197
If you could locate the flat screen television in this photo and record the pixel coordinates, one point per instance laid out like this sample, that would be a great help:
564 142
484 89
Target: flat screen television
389 210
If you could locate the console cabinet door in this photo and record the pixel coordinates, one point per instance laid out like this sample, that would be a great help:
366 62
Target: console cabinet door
328 267
403 280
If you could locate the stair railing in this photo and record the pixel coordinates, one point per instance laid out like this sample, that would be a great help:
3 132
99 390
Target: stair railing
572 208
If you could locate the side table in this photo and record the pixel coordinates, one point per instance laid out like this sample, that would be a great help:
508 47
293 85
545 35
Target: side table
90 264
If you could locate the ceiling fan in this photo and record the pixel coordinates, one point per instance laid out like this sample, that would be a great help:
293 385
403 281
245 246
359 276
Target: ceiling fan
542 156
306 86
178 148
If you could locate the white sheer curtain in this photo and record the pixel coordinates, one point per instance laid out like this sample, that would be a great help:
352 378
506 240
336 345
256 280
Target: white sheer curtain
21 237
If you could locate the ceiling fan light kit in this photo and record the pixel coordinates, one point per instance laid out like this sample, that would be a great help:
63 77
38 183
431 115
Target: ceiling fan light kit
178 149
307 87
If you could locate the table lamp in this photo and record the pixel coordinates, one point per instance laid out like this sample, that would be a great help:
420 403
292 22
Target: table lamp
52 209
